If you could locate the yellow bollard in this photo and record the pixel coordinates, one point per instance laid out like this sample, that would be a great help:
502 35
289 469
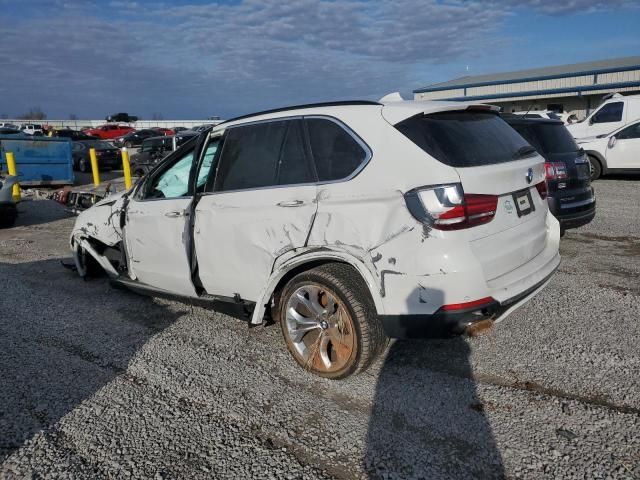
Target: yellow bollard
94 166
11 166
126 167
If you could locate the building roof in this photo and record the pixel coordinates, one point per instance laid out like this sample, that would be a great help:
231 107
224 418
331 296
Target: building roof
544 73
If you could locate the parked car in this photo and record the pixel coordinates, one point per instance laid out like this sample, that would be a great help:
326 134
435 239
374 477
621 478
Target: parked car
548 114
164 131
6 130
122 117
614 113
108 156
155 149
151 151
72 134
32 129
569 194
351 222
109 131
616 152
179 129
9 125
135 138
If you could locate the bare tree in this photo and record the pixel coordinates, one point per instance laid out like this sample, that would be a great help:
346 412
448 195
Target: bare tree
34 113
73 116
4 116
157 116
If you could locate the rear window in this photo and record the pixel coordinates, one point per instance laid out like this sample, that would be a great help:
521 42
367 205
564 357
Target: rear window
465 138
548 138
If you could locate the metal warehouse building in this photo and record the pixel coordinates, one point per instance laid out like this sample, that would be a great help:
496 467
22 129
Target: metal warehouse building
577 88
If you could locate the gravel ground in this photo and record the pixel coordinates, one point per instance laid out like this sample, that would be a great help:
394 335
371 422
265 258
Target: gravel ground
96 382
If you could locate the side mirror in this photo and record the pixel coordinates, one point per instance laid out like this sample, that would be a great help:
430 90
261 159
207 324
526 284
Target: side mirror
612 142
591 121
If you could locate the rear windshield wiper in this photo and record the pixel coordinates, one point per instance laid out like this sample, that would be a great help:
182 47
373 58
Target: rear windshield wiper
525 151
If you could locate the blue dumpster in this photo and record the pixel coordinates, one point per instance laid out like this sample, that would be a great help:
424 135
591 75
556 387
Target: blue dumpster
39 160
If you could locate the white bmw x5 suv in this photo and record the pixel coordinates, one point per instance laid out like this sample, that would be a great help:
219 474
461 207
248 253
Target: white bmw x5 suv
348 223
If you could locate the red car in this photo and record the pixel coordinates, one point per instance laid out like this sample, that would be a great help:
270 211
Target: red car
164 131
109 131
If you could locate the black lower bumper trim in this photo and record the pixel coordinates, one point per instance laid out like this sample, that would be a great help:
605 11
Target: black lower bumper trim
447 324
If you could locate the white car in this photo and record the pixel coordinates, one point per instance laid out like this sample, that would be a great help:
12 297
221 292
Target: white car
548 114
616 152
347 223
32 129
614 113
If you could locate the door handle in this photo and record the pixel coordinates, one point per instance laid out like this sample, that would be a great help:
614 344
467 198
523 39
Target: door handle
175 214
291 203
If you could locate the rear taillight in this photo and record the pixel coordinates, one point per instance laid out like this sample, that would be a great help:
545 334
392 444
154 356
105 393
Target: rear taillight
483 302
447 207
555 171
542 189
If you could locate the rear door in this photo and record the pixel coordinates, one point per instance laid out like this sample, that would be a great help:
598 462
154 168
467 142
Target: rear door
624 151
259 206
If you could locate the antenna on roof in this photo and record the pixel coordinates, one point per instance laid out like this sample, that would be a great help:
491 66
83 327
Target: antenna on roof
392 97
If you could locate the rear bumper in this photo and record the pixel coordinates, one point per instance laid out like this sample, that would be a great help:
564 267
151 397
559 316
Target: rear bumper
573 211
446 324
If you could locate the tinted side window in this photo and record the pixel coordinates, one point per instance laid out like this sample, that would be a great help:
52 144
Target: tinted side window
630 132
250 156
335 152
294 167
611 112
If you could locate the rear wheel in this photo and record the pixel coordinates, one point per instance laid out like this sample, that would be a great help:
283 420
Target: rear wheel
329 322
594 168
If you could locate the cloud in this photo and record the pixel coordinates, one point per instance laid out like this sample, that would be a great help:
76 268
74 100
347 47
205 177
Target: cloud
90 57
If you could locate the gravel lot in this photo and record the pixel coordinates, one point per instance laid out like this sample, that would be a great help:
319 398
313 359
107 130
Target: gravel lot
96 382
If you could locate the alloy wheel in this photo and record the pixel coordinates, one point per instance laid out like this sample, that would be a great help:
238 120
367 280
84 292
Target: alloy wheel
319 329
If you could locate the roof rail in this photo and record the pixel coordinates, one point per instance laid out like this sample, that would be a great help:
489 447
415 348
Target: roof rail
300 107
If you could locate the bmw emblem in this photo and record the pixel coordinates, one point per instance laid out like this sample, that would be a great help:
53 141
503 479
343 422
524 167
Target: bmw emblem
530 175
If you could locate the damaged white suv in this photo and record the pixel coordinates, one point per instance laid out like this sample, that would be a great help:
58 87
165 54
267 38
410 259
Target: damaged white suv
348 223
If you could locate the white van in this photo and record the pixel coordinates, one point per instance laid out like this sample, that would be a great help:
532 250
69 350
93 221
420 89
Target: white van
614 113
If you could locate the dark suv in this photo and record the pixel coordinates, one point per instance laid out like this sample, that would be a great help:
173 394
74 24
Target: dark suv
570 196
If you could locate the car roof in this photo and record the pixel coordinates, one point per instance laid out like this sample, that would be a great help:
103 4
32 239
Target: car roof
393 111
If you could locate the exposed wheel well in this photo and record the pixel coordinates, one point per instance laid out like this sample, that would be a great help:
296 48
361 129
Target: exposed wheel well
303 268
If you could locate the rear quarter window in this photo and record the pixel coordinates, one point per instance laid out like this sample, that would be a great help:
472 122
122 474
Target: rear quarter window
464 138
335 151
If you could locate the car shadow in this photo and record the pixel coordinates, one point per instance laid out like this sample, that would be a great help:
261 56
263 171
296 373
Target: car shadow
427 419
61 340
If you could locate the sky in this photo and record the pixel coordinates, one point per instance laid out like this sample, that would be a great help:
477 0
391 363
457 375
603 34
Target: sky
191 59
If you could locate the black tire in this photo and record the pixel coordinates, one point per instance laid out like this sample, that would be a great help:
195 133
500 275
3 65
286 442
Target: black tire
8 215
128 144
346 285
86 265
84 165
595 167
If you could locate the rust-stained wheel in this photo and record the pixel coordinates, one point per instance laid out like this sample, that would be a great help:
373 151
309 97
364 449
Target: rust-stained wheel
329 323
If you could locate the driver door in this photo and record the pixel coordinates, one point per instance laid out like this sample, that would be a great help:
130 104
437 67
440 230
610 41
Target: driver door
157 227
